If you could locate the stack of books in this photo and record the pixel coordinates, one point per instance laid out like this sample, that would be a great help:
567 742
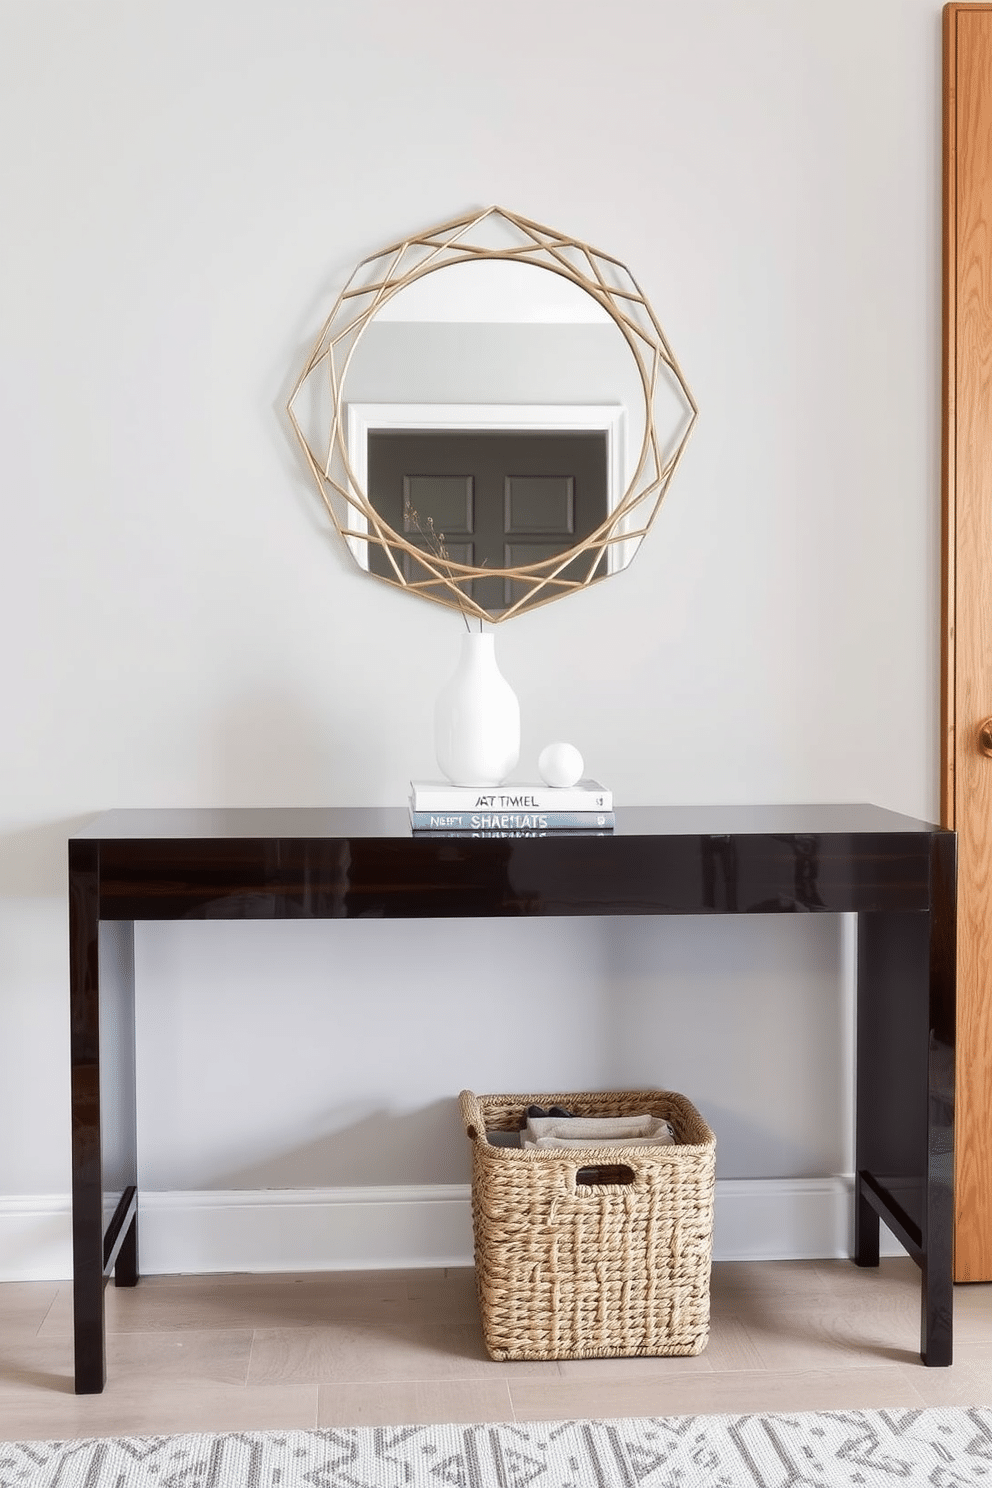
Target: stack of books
518 810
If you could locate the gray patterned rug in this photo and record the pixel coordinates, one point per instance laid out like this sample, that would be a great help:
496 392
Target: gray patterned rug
834 1449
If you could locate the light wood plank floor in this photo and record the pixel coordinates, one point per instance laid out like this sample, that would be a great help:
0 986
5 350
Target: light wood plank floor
212 1353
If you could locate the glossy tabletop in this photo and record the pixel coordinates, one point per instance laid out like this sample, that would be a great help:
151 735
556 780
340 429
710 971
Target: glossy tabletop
341 862
392 821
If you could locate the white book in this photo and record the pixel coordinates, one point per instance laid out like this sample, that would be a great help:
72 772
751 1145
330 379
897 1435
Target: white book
438 795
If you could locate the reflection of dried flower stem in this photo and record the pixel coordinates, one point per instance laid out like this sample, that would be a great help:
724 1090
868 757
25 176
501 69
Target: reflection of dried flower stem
433 539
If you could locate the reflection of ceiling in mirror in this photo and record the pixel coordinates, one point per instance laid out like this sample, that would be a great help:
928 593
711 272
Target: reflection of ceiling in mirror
494 292
475 362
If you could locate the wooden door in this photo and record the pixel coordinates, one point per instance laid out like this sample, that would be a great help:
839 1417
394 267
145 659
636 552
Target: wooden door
967 639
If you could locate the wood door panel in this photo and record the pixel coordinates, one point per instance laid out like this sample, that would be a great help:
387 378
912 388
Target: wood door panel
968 603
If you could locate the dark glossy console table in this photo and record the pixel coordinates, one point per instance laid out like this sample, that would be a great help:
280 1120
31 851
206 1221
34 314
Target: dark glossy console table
895 873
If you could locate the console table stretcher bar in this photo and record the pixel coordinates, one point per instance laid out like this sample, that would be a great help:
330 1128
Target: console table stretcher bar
895 873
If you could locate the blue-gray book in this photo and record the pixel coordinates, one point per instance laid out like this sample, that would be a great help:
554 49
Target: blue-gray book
510 821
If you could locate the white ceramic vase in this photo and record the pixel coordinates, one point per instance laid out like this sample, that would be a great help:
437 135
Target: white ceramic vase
477 718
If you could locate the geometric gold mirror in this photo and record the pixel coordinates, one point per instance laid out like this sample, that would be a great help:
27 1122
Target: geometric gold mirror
492 415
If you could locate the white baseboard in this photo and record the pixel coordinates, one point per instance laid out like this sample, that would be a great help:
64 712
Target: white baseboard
330 1229
385 1228
35 1237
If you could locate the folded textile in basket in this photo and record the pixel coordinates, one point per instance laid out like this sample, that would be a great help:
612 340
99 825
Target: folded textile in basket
641 1130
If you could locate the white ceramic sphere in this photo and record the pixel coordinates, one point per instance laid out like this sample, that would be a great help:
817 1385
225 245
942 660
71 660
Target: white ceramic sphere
560 764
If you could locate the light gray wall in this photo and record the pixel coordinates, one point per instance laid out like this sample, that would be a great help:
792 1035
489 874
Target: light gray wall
185 189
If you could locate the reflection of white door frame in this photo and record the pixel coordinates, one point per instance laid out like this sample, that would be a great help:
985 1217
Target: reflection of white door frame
608 418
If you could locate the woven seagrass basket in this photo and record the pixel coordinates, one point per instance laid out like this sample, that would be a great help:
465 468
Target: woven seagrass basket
596 1251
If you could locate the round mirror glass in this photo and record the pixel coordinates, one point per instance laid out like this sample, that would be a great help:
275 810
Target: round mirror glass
492 423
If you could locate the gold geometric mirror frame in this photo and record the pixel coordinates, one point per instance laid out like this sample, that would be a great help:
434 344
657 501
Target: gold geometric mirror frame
318 411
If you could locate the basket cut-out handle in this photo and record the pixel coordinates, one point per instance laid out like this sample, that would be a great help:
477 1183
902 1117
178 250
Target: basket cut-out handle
602 1173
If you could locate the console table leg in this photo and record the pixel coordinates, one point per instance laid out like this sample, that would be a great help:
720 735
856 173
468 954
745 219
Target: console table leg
938 1263
905 1088
126 1268
866 1228
936 1323
104 1127
87 1171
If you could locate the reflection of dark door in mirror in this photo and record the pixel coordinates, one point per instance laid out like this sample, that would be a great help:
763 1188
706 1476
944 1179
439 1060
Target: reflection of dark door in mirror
489 498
